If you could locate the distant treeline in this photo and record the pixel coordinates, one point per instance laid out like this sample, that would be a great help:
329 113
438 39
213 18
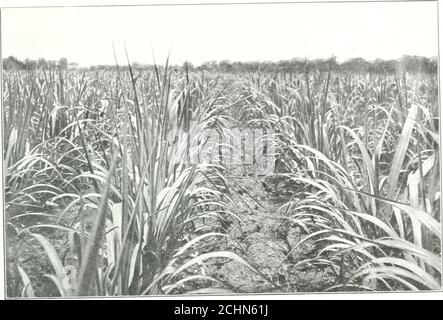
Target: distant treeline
410 64
12 63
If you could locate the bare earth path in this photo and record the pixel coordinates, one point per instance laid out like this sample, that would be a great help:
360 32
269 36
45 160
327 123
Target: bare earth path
269 241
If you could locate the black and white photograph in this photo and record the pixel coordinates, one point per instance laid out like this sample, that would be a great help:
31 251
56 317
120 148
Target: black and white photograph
220 149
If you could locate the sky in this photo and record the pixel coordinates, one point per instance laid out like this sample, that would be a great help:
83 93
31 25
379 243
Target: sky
272 32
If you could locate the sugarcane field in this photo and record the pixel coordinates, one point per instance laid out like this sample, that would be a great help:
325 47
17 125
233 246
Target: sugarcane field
274 176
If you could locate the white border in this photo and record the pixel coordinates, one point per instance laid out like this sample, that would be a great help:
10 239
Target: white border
300 296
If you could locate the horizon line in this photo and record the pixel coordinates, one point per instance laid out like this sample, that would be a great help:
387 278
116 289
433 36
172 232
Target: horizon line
298 58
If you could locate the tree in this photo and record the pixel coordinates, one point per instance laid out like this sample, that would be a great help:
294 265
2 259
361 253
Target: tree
30 64
209 65
63 63
225 65
356 65
42 63
12 63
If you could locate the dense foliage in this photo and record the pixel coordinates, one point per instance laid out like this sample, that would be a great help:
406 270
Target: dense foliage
102 200
410 64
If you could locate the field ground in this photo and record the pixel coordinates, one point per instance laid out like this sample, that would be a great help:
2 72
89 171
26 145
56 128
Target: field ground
270 241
